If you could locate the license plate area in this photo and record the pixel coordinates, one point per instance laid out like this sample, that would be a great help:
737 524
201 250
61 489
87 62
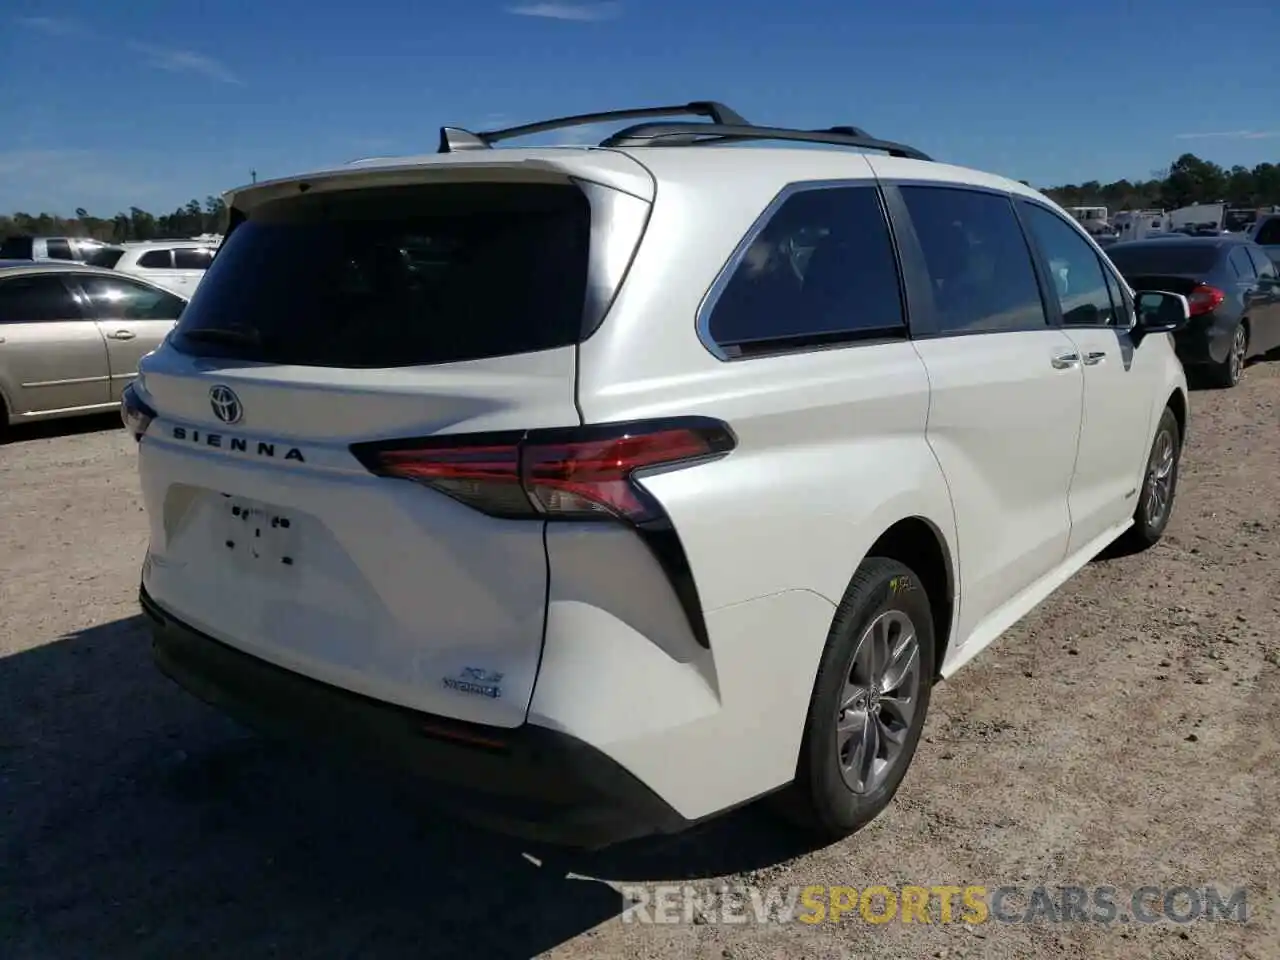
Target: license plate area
257 536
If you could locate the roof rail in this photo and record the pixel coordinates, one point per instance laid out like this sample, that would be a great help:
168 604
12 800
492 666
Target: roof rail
454 139
687 134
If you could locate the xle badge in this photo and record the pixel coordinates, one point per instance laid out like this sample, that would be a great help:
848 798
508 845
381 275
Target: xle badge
473 680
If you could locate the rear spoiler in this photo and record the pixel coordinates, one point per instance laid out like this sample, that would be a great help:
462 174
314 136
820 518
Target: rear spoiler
614 170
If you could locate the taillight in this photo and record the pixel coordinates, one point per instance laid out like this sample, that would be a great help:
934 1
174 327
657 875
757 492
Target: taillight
586 473
137 416
578 473
1205 299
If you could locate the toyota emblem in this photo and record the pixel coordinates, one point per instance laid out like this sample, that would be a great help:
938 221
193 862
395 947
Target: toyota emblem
225 403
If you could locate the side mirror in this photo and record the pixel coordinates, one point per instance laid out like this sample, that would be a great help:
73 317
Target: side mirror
1160 312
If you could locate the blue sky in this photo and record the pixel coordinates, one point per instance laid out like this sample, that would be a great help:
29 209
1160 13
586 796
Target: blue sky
151 103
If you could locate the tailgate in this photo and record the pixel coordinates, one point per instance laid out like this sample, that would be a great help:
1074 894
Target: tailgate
371 316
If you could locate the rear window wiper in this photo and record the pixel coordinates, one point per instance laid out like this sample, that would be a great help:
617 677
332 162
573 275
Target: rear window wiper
236 336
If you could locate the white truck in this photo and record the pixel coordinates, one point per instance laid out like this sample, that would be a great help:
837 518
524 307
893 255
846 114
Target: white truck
1198 216
1140 224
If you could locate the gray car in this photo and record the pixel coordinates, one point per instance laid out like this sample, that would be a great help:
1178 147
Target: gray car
71 337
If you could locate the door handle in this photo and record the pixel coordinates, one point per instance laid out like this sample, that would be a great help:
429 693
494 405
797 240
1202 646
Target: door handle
1095 357
1064 361
121 334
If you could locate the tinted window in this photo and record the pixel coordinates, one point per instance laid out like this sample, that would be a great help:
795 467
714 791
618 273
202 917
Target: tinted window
1264 264
130 301
978 260
58 249
103 256
1163 258
1121 309
1078 279
16 248
156 259
35 300
821 270
1242 265
399 277
1269 232
192 258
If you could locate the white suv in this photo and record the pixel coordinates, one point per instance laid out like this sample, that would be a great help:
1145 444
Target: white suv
609 488
178 265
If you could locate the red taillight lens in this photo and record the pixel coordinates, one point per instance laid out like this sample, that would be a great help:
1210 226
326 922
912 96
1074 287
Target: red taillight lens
485 476
1205 299
592 477
584 474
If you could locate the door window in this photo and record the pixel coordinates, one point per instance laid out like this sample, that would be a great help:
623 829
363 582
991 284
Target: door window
156 260
189 258
36 299
979 264
1079 282
58 249
120 299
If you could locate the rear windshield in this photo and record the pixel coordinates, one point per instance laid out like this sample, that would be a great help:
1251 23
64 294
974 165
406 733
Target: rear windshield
1163 257
397 277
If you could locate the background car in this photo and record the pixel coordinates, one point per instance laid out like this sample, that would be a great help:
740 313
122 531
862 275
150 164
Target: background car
1233 290
71 337
177 265
76 249
1266 234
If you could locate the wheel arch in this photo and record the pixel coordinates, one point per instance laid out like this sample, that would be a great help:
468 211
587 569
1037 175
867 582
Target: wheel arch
1177 402
919 544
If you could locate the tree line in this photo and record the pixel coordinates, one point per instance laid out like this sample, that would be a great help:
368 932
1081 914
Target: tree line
1187 180
190 220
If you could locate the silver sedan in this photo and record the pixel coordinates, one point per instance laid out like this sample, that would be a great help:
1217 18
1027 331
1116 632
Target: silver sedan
71 337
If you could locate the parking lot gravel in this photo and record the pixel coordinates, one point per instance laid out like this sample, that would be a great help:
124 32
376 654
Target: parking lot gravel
1126 734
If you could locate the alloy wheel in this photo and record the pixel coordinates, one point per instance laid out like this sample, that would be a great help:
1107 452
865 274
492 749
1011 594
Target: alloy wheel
881 692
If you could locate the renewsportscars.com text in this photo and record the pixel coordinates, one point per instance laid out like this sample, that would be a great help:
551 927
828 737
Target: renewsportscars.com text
936 904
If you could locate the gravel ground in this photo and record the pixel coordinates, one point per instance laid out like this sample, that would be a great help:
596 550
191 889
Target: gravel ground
1125 734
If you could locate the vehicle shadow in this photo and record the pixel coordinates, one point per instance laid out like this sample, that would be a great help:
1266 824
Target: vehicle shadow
63 427
135 821
1197 382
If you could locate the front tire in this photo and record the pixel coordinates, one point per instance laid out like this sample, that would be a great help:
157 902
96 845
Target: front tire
868 704
1159 485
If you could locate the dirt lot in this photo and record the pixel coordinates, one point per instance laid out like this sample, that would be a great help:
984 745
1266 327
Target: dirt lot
1126 734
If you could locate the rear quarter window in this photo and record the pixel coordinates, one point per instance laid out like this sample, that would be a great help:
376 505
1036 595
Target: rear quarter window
398 277
821 271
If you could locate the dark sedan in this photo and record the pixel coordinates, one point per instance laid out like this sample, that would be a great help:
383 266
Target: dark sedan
1233 289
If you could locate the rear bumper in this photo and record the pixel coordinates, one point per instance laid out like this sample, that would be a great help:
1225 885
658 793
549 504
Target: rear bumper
1204 340
530 782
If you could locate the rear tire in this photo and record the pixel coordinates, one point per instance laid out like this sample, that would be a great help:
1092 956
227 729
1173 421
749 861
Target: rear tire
1159 485
868 704
1228 373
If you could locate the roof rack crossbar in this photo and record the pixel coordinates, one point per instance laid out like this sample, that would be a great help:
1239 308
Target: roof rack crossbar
685 134
453 139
